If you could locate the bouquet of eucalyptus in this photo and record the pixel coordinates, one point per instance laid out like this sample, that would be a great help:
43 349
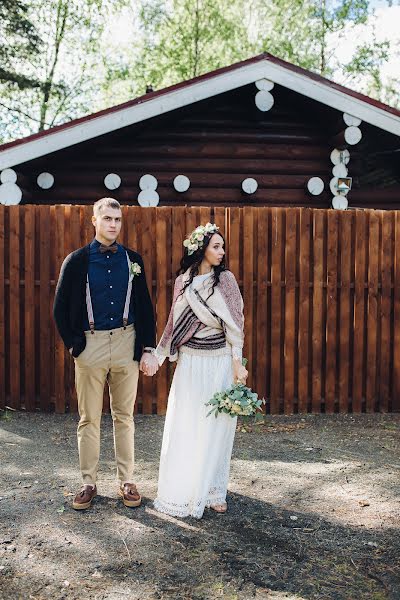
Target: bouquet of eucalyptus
237 401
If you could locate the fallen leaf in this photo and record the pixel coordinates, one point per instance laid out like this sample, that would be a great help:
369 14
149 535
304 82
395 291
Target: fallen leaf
363 503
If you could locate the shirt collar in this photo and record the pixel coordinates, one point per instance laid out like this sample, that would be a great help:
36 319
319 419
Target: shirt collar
95 244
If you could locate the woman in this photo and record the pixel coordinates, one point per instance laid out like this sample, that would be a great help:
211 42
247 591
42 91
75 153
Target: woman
204 333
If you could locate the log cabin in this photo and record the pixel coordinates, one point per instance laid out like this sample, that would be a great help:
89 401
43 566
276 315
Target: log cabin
261 132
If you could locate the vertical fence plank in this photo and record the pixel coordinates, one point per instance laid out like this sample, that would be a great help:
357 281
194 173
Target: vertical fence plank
290 310
86 224
163 220
29 308
396 316
178 235
14 310
385 312
372 310
220 220
59 345
317 333
234 241
130 227
192 218
304 309
276 308
358 359
248 287
331 317
2 314
344 324
260 362
44 294
205 215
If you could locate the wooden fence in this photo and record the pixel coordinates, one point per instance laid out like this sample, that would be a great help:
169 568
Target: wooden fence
321 291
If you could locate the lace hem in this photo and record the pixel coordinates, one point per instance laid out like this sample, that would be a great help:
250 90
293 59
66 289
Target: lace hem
178 510
188 510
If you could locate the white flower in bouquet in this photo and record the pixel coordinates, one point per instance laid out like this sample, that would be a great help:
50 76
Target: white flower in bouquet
237 401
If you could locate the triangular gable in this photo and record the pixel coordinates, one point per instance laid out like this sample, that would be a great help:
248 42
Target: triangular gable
264 66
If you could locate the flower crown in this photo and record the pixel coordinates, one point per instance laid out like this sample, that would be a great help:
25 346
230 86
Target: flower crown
196 238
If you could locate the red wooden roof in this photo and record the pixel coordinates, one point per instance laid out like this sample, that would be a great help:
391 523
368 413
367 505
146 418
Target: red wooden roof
185 84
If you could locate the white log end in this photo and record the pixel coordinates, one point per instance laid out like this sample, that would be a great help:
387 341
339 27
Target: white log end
148 182
181 183
340 202
340 156
333 186
315 186
8 176
45 181
112 181
148 197
340 170
264 100
265 84
10 194
249 185
350 120
352 135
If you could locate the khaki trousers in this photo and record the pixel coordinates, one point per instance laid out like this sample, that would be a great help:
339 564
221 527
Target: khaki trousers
107 357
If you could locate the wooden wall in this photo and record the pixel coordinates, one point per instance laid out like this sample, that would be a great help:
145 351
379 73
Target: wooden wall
321 293
217 143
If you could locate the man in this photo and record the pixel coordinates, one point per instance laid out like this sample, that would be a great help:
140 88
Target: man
104 314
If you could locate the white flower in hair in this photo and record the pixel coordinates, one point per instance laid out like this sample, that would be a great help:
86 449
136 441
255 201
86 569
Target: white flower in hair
196 238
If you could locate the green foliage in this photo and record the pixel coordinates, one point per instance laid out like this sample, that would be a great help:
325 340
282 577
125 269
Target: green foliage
5 415
65 69
186 38
19 40
58 62
238 400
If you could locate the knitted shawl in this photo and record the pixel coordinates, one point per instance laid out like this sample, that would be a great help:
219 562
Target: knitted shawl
200 323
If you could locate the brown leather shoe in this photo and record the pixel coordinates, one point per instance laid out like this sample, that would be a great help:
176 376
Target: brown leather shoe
130 495
84 497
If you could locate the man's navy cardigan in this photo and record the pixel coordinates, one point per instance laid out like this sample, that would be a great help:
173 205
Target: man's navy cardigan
70 310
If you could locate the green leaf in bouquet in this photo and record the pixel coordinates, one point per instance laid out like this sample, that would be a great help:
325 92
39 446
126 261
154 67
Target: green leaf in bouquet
244 361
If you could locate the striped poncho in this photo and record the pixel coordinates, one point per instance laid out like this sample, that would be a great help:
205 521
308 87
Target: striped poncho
200 323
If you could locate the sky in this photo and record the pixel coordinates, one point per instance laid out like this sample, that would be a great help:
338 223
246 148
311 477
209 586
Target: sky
387 27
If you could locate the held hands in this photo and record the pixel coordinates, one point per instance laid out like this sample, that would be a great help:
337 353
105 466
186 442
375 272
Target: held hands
148 364
240 372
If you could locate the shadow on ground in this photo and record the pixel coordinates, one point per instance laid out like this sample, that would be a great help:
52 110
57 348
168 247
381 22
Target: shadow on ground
312 515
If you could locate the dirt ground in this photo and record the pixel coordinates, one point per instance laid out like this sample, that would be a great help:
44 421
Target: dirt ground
313 514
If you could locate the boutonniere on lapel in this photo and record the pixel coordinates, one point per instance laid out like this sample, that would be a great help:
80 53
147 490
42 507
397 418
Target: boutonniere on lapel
135 270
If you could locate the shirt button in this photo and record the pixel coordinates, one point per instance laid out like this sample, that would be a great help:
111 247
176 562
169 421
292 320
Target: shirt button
108 256
110 286
109 270
111 319
112 302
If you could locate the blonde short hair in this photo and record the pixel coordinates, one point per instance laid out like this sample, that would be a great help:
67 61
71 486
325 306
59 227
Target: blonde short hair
105 203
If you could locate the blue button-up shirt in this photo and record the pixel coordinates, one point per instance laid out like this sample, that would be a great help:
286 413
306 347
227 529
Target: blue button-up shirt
108 282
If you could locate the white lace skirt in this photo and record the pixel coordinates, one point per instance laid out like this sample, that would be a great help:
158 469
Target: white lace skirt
196 449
